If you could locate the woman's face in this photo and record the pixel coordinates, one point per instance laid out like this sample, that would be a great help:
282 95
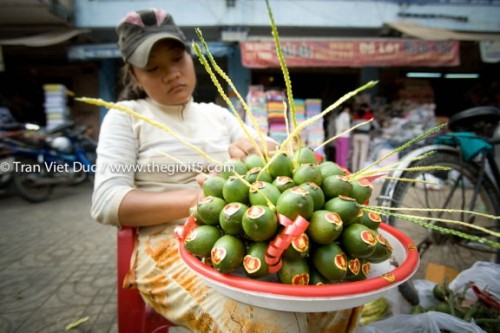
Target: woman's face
169 77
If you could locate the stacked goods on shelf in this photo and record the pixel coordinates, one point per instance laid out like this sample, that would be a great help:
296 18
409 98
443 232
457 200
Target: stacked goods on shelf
268 110
56 104
276 115
300 115
315 132
257 102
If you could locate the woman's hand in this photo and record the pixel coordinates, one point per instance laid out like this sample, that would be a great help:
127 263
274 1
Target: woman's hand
241 148
198 195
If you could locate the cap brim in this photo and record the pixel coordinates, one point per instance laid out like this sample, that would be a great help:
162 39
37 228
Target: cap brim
140 56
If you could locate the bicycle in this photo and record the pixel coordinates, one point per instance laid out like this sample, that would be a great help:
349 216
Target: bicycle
470 183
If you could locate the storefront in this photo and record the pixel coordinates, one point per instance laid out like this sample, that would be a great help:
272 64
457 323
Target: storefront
315 64
329 68
322 69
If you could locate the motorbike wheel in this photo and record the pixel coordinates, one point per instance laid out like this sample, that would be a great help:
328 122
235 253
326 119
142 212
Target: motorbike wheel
24 182
79 178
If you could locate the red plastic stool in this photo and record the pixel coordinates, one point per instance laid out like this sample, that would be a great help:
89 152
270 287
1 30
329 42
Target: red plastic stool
134 316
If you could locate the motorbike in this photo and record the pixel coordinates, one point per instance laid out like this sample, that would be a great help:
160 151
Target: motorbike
6 165
65 155
8 132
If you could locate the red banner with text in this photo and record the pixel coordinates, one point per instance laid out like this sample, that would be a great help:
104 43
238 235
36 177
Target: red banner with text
352 53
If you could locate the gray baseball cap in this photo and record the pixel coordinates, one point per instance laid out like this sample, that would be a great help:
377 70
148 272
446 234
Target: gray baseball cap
140 30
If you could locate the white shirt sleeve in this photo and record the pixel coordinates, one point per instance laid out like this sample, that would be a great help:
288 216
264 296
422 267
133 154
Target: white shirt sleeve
116 152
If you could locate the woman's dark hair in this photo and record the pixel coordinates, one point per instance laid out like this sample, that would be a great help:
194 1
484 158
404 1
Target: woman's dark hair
131 90
345 106
363 108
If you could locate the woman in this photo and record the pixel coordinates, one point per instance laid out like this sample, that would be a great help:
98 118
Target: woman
361 137
342 124
161 81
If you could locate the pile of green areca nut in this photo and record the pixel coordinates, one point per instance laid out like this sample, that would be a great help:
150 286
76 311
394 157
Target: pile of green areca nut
292 216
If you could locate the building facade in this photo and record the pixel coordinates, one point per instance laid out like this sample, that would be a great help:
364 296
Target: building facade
331 47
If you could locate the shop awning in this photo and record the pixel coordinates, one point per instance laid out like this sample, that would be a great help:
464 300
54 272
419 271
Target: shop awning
351 53
426 33
45 39
110 50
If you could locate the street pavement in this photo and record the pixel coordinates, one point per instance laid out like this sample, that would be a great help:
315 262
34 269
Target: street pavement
57 266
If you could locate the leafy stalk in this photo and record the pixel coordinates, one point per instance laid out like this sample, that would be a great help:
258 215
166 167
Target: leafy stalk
349 130
284 71
215 81
108 105
402 147
332 107
226 78
420 220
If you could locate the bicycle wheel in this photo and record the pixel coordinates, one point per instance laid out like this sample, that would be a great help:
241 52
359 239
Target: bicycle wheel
450 189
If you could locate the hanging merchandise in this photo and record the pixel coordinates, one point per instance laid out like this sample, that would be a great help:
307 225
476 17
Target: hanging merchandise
490 51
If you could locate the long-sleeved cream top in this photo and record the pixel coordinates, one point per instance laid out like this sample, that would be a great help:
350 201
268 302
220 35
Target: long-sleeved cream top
135 154
343 123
